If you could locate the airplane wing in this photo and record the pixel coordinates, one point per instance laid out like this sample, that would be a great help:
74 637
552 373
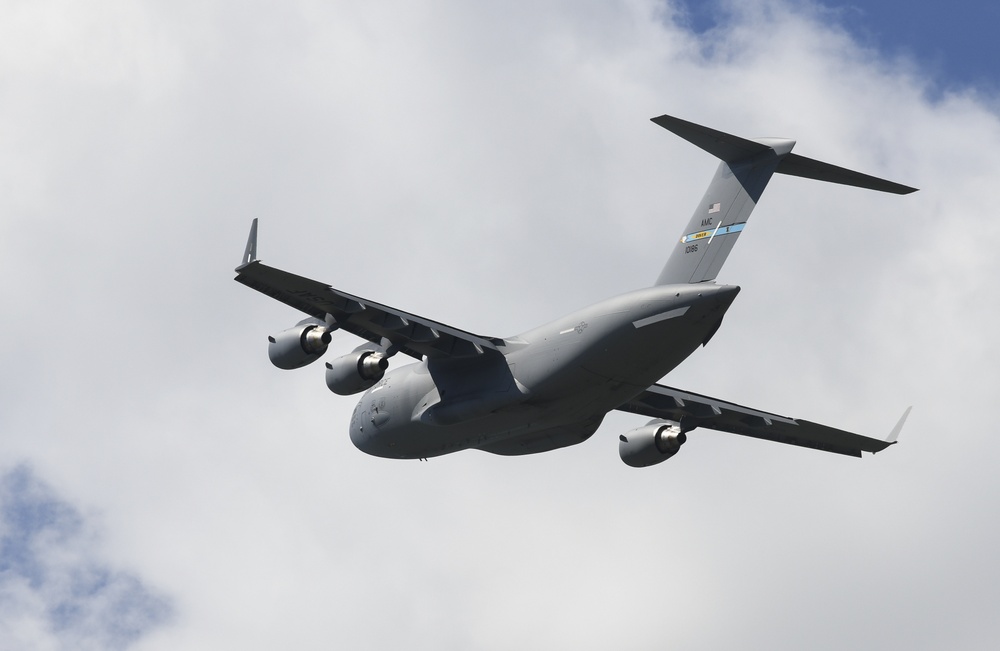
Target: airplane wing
379 324
692 410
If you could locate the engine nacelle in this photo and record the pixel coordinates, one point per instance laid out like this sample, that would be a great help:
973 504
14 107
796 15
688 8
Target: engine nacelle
654 443
298 346
356 372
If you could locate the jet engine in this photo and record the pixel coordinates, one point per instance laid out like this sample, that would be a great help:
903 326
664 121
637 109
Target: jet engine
654 443
357 371
298 346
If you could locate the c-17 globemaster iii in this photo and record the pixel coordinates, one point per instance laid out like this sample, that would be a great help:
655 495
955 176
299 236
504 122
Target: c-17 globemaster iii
551 386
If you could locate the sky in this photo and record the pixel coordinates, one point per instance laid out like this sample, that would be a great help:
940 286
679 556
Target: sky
950 41
491 166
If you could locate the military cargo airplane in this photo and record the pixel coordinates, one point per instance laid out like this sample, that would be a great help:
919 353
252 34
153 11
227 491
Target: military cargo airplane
552 386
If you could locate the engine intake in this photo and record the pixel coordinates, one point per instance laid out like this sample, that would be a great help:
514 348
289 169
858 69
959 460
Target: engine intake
298 346
356 372
651 444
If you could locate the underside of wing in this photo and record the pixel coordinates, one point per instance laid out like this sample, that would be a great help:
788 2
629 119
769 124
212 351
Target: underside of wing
692 410
379 324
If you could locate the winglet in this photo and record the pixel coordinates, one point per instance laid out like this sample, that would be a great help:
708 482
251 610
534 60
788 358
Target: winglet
898 428
250 254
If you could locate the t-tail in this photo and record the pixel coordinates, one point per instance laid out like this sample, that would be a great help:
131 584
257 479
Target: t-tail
746 167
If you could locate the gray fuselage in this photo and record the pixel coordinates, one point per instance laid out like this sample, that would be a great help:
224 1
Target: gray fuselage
547 388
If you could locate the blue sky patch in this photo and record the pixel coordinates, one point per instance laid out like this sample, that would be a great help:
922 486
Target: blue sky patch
953 43
46 558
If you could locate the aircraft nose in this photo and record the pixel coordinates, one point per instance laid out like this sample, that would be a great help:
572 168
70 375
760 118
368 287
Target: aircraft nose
371 434
359 436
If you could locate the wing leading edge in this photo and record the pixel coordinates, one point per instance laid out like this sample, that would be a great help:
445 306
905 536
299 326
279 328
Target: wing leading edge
692 410
379 324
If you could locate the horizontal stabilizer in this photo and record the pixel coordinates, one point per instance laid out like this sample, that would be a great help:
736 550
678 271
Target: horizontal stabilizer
730 148
723 146
795 165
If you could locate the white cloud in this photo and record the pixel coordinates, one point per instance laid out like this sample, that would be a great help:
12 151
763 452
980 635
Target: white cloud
493 167
55 589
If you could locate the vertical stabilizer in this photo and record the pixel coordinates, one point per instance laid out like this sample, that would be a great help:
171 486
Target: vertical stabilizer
746 168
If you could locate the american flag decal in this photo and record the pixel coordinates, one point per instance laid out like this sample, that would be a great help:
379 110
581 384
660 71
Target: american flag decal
715 207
